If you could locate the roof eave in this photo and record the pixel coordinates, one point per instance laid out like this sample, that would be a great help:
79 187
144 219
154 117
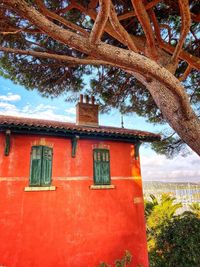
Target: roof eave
62 132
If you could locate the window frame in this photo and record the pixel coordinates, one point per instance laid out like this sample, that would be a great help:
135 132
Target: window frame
101 162
41 180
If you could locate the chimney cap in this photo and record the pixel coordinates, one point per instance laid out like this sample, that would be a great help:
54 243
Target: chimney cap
86 99
93 100
81 98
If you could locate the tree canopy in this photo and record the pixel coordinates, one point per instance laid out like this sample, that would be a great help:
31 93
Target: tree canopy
142 56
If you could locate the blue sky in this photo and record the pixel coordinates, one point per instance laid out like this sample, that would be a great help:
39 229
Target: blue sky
17 101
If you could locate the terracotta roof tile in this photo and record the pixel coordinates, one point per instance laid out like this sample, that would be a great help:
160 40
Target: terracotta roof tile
13 122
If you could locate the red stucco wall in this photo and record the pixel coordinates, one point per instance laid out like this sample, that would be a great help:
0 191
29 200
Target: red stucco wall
73 226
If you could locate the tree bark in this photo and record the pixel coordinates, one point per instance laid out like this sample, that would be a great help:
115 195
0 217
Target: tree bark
187 128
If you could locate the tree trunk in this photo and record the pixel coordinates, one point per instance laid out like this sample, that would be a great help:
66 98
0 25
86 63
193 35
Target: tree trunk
187 128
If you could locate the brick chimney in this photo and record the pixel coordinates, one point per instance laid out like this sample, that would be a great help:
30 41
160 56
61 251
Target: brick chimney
86 112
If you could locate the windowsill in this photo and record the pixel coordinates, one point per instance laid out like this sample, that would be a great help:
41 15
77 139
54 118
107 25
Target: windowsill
110 186
39 188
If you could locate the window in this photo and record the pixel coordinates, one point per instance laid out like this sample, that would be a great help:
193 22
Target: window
41 166
101 163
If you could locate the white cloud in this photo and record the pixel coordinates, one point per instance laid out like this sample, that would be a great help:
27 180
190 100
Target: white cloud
40 111
41 108
10 97
159 168
6 108
71 111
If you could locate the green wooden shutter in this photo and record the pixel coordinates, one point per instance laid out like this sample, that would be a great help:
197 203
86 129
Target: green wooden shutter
97 167
105 167
101 160
46 171
36 164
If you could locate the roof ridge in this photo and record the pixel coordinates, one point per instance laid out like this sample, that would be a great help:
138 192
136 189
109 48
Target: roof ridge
35 119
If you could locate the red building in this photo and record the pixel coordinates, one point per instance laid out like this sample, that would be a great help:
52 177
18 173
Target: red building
70 194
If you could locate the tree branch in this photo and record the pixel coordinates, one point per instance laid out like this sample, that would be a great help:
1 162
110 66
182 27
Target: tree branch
121 30
92 14
140 40
18 30
180 95
100 21
58 18
66 9
165 26
133 14
193 61
146 25
11 32
155 25
194 35
93 4
61 58
185 27
195 17
186 73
